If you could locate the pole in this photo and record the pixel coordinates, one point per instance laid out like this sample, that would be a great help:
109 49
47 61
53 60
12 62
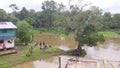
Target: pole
59 62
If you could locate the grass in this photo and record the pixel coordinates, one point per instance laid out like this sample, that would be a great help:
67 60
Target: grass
8 61
109 34
56 31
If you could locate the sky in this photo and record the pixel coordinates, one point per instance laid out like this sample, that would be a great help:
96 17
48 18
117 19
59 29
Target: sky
112 6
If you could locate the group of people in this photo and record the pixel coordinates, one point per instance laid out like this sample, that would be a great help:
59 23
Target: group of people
43 46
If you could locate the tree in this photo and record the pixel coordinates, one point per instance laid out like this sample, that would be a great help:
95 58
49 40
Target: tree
89 36
106 20
23 14
60 8
60 20
24 32
84 25
86 35
14 7
12 18
3 15
31 13
115 22
48 7
31 21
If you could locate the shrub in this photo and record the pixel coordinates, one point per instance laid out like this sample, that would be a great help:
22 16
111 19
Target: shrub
83 53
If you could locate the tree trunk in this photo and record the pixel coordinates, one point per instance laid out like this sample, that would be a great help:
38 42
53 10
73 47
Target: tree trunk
79 48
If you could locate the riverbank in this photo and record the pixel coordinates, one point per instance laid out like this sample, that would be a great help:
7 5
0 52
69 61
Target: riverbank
10 60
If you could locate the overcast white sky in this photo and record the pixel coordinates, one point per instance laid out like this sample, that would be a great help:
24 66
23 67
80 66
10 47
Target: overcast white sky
112 6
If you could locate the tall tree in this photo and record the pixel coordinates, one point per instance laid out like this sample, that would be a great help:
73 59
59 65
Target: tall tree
12 18
48 7
14 7
23 13
84 25
60 8
115 22
106 20
3 15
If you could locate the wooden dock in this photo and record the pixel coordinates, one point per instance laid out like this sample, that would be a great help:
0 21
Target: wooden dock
92 63
5 52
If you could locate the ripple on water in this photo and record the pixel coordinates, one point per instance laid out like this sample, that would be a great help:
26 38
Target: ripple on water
109 53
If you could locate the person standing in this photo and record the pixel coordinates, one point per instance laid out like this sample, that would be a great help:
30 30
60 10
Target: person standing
35 44
40 45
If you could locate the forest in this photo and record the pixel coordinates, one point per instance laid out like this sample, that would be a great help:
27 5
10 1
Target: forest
86 24
77 19
54 17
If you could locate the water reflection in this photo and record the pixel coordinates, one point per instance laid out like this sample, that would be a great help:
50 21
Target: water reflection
51 39
63 47
110 49
109 53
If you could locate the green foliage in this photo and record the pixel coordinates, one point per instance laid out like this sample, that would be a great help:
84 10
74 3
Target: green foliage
109 34
56 30
48 7
31 21
3 15
75 52
23 14
14 7
83 53
115 22
24 32
90 36
54 15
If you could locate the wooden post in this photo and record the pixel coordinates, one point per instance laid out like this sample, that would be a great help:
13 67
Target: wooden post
105 63
114 65
59 62
98 64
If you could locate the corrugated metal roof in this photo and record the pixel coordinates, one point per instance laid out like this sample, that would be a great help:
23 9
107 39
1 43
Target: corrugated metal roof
7 25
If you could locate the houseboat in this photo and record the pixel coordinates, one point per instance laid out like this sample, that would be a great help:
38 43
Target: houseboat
7 35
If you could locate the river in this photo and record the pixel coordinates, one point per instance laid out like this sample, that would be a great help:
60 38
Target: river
110 50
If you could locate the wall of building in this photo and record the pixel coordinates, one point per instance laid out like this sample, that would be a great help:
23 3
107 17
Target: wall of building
7 33
8 36
9 43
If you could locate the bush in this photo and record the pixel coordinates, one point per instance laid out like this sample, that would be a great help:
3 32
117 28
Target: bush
83 53
75 52
57 31
24 32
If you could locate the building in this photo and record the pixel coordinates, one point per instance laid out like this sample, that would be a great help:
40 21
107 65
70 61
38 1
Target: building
7 35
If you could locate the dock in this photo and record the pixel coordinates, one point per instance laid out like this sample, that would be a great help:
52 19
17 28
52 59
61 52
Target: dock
92 63
5 52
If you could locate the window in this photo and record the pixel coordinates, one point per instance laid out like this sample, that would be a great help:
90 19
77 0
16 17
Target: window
1 41
4 31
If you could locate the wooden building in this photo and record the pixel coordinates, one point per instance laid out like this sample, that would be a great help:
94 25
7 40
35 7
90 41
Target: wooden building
7 35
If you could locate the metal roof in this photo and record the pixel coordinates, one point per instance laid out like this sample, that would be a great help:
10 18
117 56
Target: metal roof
7 25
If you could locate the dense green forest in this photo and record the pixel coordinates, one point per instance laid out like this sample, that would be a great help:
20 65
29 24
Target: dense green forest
54 15
83 22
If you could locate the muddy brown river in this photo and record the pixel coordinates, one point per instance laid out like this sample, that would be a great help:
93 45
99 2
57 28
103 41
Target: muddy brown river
110 50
